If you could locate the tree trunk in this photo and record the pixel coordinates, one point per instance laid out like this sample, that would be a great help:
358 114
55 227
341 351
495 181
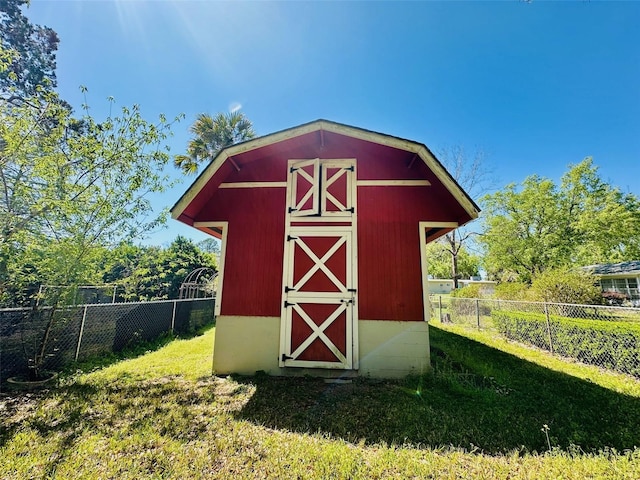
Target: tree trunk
453 250
454 269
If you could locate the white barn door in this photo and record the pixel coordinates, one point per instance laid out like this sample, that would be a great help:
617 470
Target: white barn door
318 322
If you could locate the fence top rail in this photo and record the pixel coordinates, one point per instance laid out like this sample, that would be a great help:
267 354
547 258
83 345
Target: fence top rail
576 305
102 285
178 300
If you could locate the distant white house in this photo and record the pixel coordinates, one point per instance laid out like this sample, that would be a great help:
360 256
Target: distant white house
487 287
445 285
439 285
621 278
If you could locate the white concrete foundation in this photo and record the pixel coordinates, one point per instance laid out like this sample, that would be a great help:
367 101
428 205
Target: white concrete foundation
387 349
246 345
392 349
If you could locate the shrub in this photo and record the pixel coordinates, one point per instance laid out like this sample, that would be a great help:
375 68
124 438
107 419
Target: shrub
566 286
608 344
512 291
463 302
614 298
470 291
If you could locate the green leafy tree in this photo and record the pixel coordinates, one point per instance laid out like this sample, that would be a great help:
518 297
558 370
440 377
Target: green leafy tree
524 232
211 135
33 61
154 273
541 225
604 221
211 245
119 262
182 257
72 185
440 258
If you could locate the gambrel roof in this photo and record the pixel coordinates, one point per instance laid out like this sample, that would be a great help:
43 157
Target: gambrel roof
315 138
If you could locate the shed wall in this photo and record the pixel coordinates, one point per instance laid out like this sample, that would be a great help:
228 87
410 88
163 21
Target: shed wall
389 275
255 247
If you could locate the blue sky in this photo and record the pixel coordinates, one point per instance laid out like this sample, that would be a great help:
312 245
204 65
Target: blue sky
537 86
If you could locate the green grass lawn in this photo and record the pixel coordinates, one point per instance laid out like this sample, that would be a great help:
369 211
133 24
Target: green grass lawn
479 414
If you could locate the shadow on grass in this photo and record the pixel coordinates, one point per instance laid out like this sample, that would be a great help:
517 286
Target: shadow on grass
476 397
66 411
170 406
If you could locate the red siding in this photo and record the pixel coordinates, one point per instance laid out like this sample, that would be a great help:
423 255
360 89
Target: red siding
389 275
254 250
196 205
264 170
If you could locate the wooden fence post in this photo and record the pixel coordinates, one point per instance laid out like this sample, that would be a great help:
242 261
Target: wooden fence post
478 312
440 307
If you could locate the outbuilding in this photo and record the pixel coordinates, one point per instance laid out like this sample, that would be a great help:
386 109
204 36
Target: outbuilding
323 265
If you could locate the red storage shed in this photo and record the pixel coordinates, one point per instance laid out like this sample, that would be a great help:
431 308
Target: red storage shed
323 267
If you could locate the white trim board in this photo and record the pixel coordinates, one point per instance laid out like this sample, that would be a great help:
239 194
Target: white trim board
254 185
393 183
359 183
439 224
424 267
224 227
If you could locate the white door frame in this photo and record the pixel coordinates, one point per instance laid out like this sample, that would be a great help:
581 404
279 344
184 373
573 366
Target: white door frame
224 228
424 270
350 219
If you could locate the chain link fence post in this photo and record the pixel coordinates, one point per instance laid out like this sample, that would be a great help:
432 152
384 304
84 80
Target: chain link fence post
546 314
84 317
173 316
604 335
78 333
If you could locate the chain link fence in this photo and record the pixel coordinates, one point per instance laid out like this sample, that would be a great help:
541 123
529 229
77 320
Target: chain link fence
606 336
77 333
